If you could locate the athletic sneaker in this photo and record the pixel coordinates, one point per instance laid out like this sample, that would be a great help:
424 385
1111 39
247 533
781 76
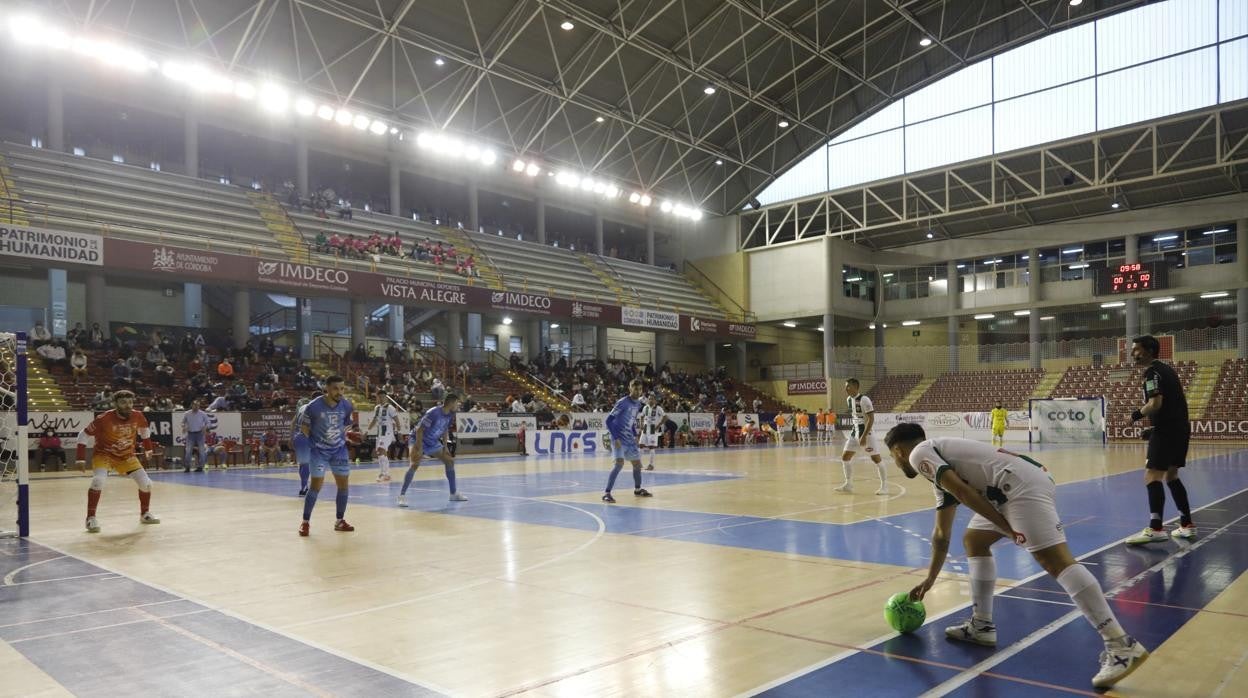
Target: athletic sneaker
608 498
847 488
1148 535
383 478
186 470
457 497
1187 532
650 467
342 525
303 492
642 493
975 631
883 490
93 525
148 517
199 469
303 529
1118 660
403 501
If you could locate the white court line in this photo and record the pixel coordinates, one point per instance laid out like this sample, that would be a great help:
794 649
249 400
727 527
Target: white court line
108 575
816 666
79 631
87 613
971 673
8 578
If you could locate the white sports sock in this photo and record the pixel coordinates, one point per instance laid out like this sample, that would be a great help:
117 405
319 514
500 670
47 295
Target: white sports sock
384 462
1086 592
983 572
652 456
879 466
848 469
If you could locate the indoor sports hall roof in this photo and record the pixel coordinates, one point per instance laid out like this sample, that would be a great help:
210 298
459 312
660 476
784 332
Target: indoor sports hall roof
706 101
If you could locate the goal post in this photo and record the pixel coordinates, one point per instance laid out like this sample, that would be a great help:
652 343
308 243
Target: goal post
1076 420
14 446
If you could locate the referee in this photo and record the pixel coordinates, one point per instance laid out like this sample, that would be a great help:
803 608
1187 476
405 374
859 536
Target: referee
1166 407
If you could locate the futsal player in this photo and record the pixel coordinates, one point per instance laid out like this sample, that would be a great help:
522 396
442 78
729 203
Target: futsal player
324 422
429 438
113 436
652 416
1000 419
1013 497
300 446
1166 407
820 425
862 419
621 423
386 419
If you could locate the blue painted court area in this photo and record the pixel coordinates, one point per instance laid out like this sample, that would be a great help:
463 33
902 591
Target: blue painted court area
1154 591
1095 512
102 634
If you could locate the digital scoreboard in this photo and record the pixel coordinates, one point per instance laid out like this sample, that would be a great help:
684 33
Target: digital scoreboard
1137 277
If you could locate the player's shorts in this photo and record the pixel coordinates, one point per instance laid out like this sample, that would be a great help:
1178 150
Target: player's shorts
431 448
625 448
1030 507
383 442
803 430
650 440
337 464
998 430
303 448
121 466
852 446
1168 449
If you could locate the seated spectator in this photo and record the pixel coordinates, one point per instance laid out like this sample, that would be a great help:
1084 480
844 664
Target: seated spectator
78 364
95 337
267 348
76 336
102 400
39 335
220 402
304 379
266 379
164 403
155 355
50 447
278 400
437 389
578 401
164 374
322 242
53 353
225 369
359 354
135 364
238 390
270 448
121 374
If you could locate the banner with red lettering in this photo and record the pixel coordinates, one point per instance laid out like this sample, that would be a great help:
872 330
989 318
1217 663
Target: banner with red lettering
808 386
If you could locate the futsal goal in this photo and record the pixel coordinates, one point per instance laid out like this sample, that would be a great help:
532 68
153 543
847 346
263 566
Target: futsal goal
14 466
1078 420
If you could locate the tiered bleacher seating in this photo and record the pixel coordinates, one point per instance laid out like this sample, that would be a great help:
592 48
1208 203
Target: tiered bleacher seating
1230 394
659 288
889 390
85 195
979 391
1121 385
541 268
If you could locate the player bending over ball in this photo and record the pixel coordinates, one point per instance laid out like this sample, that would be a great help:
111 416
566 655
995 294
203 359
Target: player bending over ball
113 435
1012 497
429 438
324 422
621 424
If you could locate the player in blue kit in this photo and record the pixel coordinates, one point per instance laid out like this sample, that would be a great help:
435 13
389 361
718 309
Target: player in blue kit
300 446
622 424
429 439
325 421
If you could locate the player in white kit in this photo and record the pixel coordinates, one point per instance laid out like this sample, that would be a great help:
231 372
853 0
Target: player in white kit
651 420
861 437
1013 497
386 419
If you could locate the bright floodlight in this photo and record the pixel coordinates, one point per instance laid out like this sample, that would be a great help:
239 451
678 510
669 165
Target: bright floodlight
488 157
567 25
273 98
394 130
634 198
343 117
645 200
925 41
532 170
587 184
709 89
438 61
360 121
325 112
612 191
27 29
245 90
424 140
784 123
506 321
305 107
600 187
472 152
377 127
517 165
599 119
696 215
666 207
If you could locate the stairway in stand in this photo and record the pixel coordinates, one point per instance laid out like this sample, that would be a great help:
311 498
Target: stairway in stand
11 211
278 223
607 279
1046 385
463 241
1200 390
914 395
556 403
349 387
42 391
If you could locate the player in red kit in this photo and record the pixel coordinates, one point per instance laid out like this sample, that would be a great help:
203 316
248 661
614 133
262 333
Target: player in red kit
113 434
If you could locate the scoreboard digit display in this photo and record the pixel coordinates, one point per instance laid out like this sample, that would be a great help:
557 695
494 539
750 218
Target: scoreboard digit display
1136 277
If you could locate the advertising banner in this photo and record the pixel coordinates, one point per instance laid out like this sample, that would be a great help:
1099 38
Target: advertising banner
161 424
509 423
476 425
808 386
51 245
226 425
701 421
597 421
67 426
255 424
649 319
561 442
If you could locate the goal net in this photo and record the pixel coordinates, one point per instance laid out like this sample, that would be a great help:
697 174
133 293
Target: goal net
1067 420
14 469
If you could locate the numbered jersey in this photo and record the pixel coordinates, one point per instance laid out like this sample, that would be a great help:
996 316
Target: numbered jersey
384 416
976 463
859 407
652 419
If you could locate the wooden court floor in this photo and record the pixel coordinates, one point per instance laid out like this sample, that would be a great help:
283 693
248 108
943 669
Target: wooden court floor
745 573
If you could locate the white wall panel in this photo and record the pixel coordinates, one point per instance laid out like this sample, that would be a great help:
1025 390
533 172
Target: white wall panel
866 159
889 117
1043 117
807 177
1153 31
1054 60
1233 19
963 136
1233 71
1157 89
969 87
787 281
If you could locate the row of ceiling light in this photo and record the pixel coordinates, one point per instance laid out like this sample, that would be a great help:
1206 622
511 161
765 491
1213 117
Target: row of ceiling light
276 100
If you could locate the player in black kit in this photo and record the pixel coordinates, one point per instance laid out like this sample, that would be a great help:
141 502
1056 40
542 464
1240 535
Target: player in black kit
1166 407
